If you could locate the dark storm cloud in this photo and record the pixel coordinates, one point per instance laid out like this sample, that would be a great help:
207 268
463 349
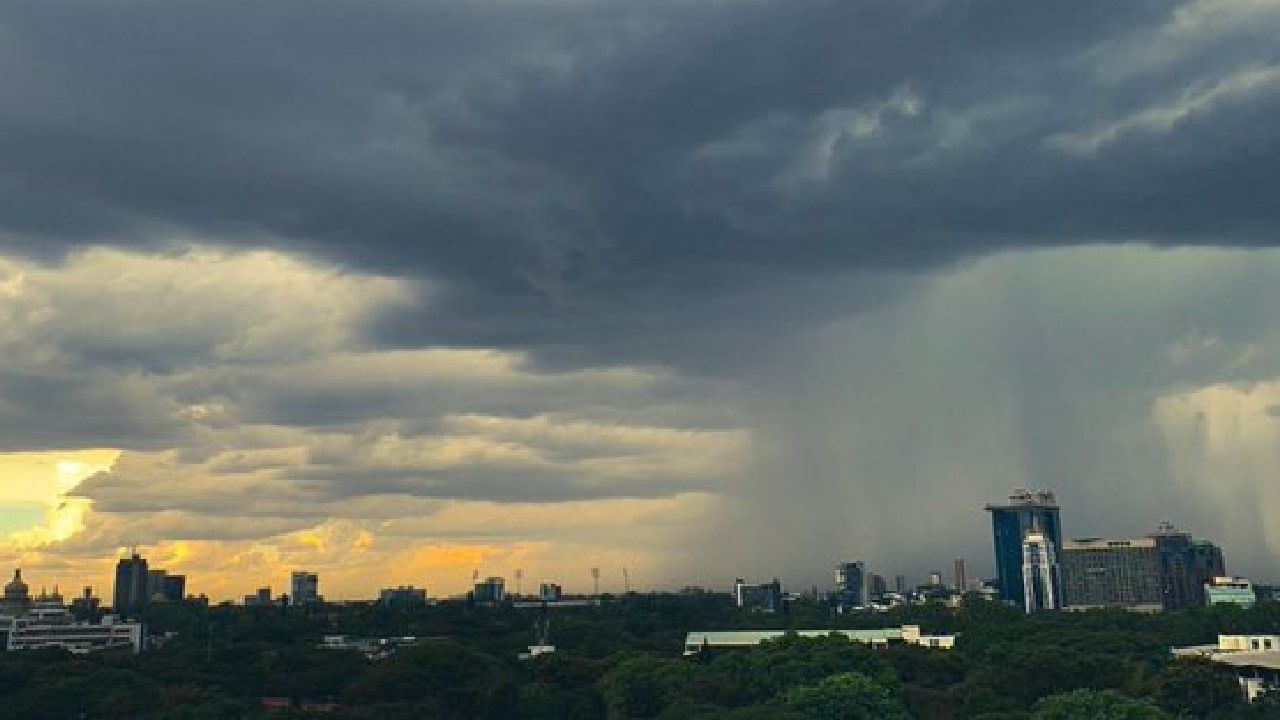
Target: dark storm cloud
572 173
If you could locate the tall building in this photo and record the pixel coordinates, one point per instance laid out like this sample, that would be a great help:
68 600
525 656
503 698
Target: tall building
1010 523
851 585
876 587
1185 566
17 596
492 590
1041 577
304 588
132 583
900 584
1113 573
962 577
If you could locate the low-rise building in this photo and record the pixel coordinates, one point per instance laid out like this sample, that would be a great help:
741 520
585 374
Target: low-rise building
696 642
403 597
1230 591
1254 660
49 624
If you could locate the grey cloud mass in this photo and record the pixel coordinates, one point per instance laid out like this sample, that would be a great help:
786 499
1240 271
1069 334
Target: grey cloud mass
809 263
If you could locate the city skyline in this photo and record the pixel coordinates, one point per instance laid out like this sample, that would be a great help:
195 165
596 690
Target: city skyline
703 290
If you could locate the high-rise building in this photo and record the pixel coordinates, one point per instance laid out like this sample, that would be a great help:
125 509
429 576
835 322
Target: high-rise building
550 592
962 578
935 579
851 585
304 588
1113 573
1185 566
876 587
1010 523
132 582
900 584
17 596
492 590
1041 577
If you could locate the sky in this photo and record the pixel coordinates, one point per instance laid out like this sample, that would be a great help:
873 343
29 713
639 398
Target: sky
405 291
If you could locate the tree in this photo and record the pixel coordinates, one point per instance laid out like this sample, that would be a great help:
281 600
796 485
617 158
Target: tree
847 696
1195 687
1095 705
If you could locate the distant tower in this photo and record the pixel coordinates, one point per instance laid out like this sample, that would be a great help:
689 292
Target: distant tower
851 585
519 580
595 580
962 578
17 596
626 581
132 581
1010 523
1041 576
304 588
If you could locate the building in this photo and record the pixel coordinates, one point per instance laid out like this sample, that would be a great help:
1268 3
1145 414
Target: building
49 625
1010 522
491 591
132 582
962 577
550 592
1041 576
934 580
87 608
1206 563
304 588
1185 566
261 598
17 596
1230 591
1254 660
1113 573
851 586
403 597
163 587
696 642
765 597
877 588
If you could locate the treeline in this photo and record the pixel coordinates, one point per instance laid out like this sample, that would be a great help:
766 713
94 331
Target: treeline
623 660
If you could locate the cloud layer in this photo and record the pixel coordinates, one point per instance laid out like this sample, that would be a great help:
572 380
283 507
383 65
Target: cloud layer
337 278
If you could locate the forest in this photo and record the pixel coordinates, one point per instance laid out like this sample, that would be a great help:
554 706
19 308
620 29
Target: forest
623 659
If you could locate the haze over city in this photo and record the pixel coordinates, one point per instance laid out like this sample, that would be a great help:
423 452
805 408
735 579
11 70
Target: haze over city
399 292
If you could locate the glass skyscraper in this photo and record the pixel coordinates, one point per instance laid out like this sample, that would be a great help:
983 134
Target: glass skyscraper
1025 511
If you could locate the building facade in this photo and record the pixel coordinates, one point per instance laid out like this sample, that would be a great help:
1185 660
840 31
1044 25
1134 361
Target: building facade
1113 573
304 588
1230 591
851 585
764 597
132 582
1041 575
50 625
1010 523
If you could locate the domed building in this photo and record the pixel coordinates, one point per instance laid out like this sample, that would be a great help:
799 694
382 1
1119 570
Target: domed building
17 596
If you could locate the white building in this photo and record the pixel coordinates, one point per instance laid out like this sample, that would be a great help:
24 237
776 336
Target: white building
48 624
1253 659
728 639
1039 571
